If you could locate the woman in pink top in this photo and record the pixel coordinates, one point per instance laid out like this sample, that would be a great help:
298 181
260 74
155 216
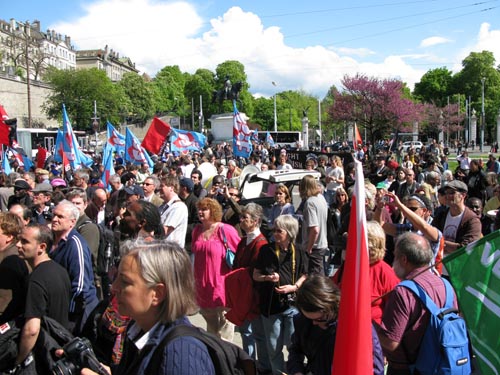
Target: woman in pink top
210 265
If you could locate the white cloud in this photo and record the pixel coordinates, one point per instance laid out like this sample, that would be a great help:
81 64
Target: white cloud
434 41
155 34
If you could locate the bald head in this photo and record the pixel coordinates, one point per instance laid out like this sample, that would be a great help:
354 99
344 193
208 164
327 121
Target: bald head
415 248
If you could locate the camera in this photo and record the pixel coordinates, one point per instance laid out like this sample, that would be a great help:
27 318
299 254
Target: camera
78 354
288 299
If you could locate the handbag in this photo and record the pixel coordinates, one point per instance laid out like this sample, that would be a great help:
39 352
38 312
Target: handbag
230 255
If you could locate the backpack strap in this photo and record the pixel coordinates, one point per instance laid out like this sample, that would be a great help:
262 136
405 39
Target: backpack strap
421 294
83 224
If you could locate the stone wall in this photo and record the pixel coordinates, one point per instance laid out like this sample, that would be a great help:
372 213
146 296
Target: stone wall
13 97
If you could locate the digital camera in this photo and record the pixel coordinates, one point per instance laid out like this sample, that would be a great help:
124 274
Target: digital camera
78 354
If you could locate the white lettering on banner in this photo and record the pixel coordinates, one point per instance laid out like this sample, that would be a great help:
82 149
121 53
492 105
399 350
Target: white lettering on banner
488 303
488 258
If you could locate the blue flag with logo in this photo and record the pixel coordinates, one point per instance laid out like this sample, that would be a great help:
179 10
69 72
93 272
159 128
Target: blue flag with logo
5 164
68 145
115 139
184 140
269 139
242 145
107 162
134 152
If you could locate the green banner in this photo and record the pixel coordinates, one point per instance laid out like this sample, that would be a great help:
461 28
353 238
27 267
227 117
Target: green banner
475 274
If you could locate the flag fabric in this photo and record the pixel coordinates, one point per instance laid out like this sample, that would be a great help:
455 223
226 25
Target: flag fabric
269 139
107 162
156 136
4 128
115 139
353 345
474 272
255 136
242 145
23 160
68 145
134 152
357 136
183 140
5 164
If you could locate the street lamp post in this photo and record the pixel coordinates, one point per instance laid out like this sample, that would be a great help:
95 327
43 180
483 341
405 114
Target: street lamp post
95 125
482 113
275 117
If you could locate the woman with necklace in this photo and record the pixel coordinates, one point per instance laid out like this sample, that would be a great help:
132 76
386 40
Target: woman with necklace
280 271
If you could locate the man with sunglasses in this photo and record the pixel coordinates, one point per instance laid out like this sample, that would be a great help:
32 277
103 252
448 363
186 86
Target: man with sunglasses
460 226
21 194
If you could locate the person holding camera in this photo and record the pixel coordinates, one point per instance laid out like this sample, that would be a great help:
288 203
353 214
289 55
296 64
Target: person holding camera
155 287
279 271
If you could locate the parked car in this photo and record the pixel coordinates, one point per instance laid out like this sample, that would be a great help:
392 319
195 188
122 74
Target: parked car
417 145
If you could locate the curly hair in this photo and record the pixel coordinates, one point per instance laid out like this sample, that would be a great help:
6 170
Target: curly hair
376 241
214 207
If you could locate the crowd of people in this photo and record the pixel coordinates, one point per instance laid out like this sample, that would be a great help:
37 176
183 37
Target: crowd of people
170 235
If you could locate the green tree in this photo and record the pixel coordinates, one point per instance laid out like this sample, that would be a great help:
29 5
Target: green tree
140 96
264 113
78 89
169 91
202 82
468 81
434 86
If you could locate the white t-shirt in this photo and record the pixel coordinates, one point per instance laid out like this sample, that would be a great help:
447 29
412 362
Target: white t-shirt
176 216
338 173
451 226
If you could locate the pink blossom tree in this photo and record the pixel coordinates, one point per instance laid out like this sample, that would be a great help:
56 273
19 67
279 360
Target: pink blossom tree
379 106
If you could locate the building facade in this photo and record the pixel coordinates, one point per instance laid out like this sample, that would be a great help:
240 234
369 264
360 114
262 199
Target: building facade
105 59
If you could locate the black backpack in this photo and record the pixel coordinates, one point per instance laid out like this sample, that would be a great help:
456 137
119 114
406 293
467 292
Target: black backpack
105 251
9 339
228 358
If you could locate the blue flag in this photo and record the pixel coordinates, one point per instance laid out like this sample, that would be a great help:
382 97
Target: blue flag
269 139
183 140
242 145
5 164
107 162
134 152
68 145
22 160
115 139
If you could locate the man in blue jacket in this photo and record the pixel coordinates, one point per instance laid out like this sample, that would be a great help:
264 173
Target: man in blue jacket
72 252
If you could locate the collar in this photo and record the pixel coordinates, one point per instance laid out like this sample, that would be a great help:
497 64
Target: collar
252 235
171 201
140 340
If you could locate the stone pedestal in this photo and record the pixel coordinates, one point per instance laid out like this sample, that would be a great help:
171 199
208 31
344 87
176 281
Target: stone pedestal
498 128
473 129
222 126
305 132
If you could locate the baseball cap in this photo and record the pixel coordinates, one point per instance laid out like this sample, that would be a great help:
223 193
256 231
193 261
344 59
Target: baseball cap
134 190
188 183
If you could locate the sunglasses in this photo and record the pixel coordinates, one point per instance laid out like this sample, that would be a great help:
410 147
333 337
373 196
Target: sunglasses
413 208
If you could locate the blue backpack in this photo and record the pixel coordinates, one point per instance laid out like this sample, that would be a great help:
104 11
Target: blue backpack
444 350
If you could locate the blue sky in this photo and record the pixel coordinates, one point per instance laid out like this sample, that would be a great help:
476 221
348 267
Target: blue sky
299 45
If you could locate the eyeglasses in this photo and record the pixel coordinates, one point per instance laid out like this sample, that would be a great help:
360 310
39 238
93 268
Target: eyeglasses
233 194
413 208
146 184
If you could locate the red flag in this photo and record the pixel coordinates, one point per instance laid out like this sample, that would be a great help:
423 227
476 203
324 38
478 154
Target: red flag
156 136
357 137
353 344
41 156
4 128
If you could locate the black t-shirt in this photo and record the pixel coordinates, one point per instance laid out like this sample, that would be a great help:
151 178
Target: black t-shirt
267 263
49 292
14 275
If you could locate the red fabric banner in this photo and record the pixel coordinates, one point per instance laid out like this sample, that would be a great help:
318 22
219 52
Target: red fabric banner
156 135
353 345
